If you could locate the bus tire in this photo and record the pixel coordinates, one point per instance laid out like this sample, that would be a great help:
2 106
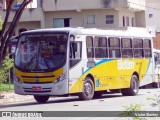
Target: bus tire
156 85
134 87
41 99
88 90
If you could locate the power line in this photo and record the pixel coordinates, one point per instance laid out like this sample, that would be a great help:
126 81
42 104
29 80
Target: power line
144 6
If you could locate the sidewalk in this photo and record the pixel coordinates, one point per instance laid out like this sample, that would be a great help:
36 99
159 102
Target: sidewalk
11 97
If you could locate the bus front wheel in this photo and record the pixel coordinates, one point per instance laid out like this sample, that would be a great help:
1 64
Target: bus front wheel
88 90
134 87
41 99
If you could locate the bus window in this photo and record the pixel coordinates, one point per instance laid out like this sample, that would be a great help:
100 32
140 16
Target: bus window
114 48
75 53
126 48
100 45
89 44
147 48
138 48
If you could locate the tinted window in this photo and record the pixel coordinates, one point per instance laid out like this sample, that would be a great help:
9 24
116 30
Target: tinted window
100 45
127 48
89 44
114 48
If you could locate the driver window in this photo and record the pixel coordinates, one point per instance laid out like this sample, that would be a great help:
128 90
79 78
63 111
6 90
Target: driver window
75 53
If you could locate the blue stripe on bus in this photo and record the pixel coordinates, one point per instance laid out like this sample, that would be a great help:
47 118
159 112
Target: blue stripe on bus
98 63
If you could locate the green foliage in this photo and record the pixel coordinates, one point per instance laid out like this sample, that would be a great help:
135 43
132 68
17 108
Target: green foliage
129 111
6 87
5 65
0 23
155 101
133 107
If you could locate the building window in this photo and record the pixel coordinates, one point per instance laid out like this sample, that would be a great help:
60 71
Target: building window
150 15
123 21
127 21
132 19
109 19
91 19
61 22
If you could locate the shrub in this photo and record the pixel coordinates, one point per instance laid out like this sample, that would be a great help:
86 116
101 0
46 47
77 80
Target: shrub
5 65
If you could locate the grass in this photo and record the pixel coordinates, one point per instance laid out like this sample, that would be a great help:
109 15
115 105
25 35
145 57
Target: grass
6 87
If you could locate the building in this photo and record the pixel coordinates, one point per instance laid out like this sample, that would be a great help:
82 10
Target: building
152 20
81 13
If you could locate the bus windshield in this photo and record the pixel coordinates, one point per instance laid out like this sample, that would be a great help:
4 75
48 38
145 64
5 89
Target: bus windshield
41 52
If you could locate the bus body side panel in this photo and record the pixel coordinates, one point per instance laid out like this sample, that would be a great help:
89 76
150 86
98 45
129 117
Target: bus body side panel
76 81
147 77
116 74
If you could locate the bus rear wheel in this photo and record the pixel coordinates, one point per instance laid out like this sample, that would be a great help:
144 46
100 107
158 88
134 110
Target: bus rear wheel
41 99
88 90
156 84
134 87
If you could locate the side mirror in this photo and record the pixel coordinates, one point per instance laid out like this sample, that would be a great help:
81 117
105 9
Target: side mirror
155 58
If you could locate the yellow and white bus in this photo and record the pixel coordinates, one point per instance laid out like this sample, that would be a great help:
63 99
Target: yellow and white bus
83 62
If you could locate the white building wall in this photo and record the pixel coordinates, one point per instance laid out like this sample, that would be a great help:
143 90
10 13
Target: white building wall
137 4
153 14
79 19
57 5
79 10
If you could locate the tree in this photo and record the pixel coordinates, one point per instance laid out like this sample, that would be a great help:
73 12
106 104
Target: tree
5 35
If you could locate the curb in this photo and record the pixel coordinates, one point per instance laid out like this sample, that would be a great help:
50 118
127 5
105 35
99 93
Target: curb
6 98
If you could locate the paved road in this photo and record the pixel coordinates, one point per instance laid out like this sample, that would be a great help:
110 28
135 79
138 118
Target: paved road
108 102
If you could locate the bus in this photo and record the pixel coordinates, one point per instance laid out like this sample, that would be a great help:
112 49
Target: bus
156 83
84 62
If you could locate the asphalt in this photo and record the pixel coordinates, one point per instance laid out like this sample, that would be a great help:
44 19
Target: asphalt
11 97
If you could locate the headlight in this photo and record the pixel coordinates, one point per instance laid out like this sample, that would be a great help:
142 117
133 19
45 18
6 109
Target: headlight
60 78
17 79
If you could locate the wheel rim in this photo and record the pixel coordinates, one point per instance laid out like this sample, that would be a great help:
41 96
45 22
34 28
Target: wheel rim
88 89
135 84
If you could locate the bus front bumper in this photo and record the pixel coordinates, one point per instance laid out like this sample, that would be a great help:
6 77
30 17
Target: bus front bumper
33 89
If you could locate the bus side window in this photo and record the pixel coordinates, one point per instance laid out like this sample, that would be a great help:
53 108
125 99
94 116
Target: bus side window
114 47
147 48
75 53
100 46
127 48
138 47
90 49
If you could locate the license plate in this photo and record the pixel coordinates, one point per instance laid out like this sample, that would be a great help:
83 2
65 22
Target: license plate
37 88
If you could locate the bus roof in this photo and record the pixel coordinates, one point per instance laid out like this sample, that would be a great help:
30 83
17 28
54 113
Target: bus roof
128 32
